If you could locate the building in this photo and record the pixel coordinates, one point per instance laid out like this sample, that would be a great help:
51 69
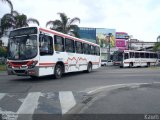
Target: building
141 45
101 37
88 34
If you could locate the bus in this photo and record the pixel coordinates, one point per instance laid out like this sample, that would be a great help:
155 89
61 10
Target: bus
131 58
36 51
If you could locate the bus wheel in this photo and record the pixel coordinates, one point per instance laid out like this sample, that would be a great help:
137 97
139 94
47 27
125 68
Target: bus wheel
121 66
58 71
130 65
34 77
148 64
89 68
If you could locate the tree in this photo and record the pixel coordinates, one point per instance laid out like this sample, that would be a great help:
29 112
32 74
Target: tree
65 24
9 3
156 47
15 20
158 38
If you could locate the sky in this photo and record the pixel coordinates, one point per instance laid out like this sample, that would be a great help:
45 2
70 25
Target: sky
139 18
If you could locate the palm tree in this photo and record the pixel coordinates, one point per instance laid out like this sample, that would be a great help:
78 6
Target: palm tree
65 24
15 20
9 3
158 38
156 47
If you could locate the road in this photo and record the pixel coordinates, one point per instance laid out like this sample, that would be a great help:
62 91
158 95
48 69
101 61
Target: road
82 93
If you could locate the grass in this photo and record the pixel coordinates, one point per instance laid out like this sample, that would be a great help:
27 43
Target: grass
2 67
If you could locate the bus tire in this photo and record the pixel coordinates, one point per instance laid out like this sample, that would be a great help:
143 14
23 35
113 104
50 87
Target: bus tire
130 65
121 66
89 68
34 77
148 64
58 71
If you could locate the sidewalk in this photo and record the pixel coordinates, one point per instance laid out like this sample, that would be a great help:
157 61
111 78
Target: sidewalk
3 73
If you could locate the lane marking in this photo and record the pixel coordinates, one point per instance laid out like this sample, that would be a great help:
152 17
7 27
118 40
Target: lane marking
2 95
116 86
67 101
30 103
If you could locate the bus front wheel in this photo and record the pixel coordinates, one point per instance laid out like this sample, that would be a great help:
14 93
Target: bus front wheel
58 71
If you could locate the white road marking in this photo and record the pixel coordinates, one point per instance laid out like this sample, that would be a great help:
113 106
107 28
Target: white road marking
30 103
2 95
115 86
67 101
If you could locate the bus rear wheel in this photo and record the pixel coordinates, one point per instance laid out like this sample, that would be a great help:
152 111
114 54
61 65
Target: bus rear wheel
34 77
58 71
130 65
148 64
89 68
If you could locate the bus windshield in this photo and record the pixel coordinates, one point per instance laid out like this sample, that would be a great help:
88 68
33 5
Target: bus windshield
22 48
118 56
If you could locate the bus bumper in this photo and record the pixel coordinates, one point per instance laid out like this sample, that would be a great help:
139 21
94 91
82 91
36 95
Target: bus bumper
23 72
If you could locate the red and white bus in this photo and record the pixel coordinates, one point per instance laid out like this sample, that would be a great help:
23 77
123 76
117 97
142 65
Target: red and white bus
131 58
34 51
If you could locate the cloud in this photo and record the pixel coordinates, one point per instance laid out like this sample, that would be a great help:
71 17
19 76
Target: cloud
139 18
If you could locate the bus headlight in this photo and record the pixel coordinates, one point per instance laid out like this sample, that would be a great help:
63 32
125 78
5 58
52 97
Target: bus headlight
9 65
33 64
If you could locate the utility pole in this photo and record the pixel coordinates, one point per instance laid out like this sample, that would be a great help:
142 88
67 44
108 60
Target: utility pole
109 47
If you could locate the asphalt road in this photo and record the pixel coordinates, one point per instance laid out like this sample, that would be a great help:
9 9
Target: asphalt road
107 90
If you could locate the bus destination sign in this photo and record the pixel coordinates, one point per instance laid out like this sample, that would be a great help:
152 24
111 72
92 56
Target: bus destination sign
23 31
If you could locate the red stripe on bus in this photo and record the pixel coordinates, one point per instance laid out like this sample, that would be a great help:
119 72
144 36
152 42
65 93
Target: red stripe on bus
47 63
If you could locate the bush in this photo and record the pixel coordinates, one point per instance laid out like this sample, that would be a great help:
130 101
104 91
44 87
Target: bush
3 51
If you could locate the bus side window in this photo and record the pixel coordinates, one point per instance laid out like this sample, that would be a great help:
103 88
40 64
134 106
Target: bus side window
69 45
46 45
147 55
131 54
136 55
97 51
142 55
59 43
92 50
126 56
78 47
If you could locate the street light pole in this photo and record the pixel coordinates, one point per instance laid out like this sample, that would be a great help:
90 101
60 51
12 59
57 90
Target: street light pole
128 37
109 48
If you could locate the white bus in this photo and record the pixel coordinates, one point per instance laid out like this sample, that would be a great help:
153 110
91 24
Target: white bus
34 51
131 58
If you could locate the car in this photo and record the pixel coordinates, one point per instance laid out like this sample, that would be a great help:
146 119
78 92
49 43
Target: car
106 62
103 62
109 62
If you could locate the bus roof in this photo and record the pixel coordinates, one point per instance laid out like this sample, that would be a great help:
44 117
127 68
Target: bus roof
66 36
